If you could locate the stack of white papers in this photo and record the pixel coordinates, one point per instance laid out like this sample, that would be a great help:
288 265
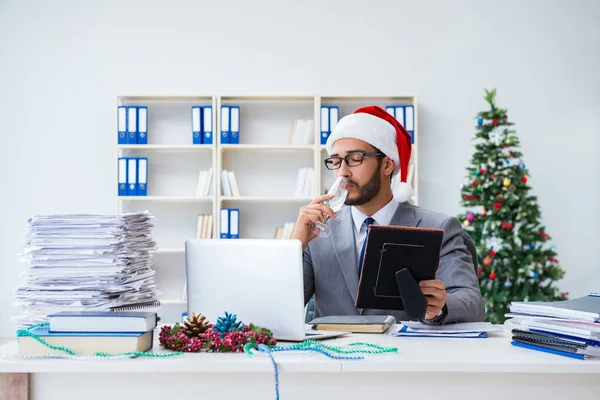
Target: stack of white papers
86 263
460 330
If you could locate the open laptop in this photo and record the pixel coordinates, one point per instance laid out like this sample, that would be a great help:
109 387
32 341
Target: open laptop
259 280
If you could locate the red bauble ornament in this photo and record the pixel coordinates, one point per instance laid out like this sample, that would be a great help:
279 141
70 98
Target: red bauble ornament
506 225
492 253
497 206
495 122
487 261
492 275
474 184
479 271
483 171
524 179
543 234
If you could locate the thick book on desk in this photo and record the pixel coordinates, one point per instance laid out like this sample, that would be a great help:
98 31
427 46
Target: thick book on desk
85 343
389 251
102 321
354 323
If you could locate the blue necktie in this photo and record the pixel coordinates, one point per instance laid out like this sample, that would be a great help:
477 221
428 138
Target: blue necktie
368 222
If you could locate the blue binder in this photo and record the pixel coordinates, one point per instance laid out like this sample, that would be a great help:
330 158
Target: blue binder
225 126
131 125
197 125
548 350
207 125
334 116
122 124
122 176
234 125
142 137
142 176
409 121
131 177
391 110
234 223
224 215
324 124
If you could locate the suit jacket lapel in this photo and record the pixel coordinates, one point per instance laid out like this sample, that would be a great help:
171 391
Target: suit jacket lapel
342 235
405 216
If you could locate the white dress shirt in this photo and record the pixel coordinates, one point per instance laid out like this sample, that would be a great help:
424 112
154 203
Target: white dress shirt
382 217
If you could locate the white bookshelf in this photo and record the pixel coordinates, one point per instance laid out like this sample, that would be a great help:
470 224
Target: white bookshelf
264 162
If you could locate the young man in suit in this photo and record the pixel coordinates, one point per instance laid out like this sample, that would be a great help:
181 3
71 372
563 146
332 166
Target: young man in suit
371 149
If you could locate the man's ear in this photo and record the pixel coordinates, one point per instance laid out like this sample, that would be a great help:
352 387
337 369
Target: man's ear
388 166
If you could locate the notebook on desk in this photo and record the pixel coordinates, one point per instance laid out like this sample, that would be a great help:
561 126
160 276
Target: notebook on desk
586 308
354 323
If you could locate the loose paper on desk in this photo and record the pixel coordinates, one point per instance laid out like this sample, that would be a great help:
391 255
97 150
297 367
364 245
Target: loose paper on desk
464 330
82 262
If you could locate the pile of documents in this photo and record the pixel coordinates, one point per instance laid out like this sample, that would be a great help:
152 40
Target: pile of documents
459 330
86 262
568 328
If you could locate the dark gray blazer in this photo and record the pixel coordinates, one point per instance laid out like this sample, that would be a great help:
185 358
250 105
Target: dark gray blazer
330 267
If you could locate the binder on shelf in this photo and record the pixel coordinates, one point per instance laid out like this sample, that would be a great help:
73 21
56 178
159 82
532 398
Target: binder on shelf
224 232
122 166
197 125
142 178
207 125
142 137
131 125
225 119
234 136
234 223
409 119
400 115
131 177
334 115
391 110
122 124
324 124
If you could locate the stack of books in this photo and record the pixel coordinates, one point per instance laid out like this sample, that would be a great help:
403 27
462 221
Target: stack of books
569 328
87 333
86 263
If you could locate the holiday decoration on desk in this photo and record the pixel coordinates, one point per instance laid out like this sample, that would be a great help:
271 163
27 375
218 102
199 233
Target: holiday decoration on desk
352 351
227 324
515 260
195 325
227 335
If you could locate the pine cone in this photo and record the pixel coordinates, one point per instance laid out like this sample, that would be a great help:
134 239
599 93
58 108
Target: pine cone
195 325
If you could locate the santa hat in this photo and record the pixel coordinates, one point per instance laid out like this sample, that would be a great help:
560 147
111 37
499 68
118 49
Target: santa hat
377 127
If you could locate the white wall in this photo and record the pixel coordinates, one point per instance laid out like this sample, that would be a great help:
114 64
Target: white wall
63 63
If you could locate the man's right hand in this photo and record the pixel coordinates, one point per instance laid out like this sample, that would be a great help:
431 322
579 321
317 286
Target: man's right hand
315 211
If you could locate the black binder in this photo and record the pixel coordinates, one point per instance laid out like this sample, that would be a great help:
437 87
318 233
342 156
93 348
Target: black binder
396 259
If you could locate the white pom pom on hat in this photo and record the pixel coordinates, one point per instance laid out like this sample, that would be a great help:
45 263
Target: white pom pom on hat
375 126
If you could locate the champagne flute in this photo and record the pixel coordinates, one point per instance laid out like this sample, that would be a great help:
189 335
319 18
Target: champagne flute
339 189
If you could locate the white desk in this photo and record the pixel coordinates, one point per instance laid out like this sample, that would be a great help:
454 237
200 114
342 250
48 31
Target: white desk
423 368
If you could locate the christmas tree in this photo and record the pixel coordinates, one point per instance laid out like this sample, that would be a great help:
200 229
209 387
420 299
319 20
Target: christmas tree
516 262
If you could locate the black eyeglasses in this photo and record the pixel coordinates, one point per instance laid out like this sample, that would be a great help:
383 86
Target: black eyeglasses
352 160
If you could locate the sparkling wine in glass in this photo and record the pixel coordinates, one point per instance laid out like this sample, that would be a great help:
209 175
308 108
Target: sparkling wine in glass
339 189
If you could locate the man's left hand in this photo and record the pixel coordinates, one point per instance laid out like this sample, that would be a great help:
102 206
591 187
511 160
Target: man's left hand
435 291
